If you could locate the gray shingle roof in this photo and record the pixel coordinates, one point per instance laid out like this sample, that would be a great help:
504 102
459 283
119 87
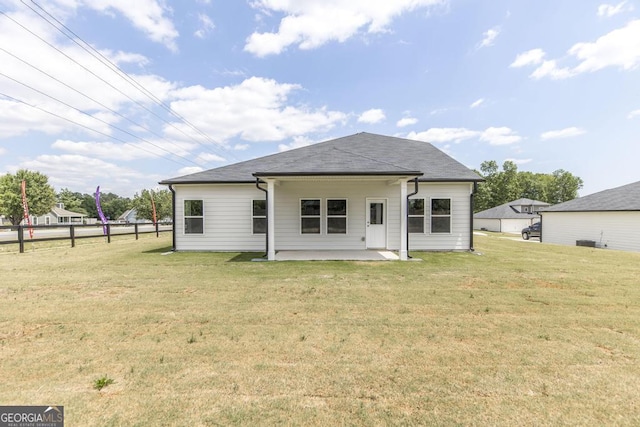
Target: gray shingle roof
60 212
510 210
624 198
359 154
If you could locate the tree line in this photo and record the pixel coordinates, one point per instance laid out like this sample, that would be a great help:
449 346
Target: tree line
41 197
508 184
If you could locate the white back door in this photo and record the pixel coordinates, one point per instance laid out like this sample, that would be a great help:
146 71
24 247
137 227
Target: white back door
376 224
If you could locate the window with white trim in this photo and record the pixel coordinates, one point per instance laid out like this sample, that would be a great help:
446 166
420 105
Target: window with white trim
193 217
416 216
259 216
336 216
310 216
441 215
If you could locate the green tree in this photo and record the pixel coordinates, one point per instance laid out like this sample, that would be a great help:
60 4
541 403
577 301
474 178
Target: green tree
508 184
113 205
162 199
40 195
564 186
88 204
506 187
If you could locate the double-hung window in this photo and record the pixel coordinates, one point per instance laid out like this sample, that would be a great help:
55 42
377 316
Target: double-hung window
259 216
310 216
193 217
336 216
441 215
416 216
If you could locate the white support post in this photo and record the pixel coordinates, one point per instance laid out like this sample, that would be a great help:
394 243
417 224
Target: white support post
403 221
271 219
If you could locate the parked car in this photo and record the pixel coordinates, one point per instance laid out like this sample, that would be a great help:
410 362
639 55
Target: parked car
532 231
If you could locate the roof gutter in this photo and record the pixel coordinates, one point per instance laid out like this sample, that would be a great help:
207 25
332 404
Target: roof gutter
173 204
415 181
472 208
345 173
266 206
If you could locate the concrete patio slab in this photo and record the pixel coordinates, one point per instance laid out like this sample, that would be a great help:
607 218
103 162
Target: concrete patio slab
364 255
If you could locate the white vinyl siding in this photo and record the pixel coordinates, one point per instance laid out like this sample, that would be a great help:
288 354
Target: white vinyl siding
613 230
287 212
228 224
228 220
459 237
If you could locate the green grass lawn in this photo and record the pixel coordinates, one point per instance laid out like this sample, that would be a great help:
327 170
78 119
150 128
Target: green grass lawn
518 333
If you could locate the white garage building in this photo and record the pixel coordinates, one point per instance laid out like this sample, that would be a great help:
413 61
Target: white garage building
510 217
608 219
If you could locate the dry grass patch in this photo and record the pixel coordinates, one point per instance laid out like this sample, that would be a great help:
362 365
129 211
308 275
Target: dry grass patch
524 334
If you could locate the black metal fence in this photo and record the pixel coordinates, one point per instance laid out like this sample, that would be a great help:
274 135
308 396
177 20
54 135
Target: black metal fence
21 234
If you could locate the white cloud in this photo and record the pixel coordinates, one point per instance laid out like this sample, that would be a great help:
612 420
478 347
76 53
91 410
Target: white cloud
500 136
562 133
128 151
530 57
634 113
406 121
312 23
550 69
85 173
298 142
241 147
206 26
440 135
149 16
255 110
189 170
489 37
94 81
477 103
492 135
609 10
375 115
203 158
618 48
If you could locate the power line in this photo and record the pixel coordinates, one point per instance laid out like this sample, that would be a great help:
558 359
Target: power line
117 70
90 128
96 76
86 96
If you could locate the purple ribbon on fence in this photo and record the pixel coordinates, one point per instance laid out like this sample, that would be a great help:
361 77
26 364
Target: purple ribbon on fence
100 214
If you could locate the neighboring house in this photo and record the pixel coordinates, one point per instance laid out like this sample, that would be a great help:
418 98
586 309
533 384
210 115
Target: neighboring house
608 219
58 215
511 217
130 217
349 193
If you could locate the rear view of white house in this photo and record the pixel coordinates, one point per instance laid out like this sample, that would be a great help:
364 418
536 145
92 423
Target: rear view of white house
358 192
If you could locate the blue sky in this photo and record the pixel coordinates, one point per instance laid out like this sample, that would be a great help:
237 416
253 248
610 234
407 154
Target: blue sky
203 83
